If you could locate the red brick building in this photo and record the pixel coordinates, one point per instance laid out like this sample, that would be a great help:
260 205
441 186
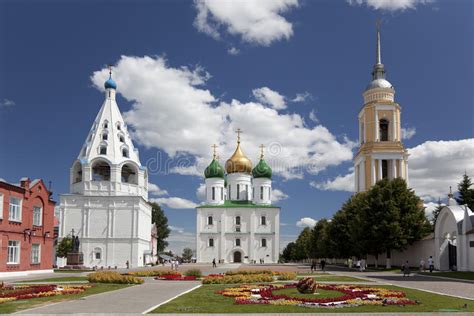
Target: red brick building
26 227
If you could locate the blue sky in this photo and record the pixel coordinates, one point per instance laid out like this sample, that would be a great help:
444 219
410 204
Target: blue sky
199 71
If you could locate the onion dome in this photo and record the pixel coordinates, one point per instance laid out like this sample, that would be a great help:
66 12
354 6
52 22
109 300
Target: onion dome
238 163
110 84
214 170
262 170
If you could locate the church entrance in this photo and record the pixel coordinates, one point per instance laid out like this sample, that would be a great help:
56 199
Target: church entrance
237 256
452 257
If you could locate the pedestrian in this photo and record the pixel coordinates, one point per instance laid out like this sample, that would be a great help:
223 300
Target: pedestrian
313 265
422 265
363 265
176 266
358 265
406 269
323 264
127 264
214 265
349 263
430 264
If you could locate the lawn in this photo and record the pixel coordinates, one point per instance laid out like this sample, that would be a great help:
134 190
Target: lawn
53 280
336 278
71 271
206 300
15 306
454 275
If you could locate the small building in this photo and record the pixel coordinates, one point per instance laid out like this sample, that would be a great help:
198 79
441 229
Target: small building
26 228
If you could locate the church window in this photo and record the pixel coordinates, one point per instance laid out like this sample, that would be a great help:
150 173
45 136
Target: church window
222 193
118 126
101 171
237 220
106 124
103 150
264 242
383 126
237 229
77 172
37 215
211 242
263 220
105 136
129 174
269 193
125 153
237 242
213 193
247 192
261 193
384 169
121 139
97 253
238 191
210 220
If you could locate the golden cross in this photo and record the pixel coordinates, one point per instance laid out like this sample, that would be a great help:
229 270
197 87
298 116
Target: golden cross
238 131
261 150
214 155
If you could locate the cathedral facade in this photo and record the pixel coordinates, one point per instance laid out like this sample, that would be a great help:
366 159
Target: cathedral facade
238 223
107 204
381 153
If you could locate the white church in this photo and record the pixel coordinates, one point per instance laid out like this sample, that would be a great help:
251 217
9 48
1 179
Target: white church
107 203
238 223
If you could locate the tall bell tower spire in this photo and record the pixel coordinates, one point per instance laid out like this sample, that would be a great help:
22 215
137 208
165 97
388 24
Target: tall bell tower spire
379 69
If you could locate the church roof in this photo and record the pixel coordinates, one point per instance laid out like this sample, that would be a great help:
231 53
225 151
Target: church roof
460 214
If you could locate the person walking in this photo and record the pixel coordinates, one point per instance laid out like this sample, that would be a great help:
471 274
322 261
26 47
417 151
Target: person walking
363 265
431 264
127 264
313 265
422 265
358 265
406 269
323 264
214 265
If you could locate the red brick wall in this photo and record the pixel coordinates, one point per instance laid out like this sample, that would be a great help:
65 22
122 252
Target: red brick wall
38 195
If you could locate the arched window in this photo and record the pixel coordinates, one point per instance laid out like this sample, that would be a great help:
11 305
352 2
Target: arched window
237 220
237 242
263 220
77 172
383 126
222 193
106 124
129 174
238 191
105 136
213 193
264 242
101 171
122 139
103 150
125 152
211 242
97 253
118 126
210 220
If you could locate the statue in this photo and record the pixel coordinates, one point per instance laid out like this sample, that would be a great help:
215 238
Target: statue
75 244
75 257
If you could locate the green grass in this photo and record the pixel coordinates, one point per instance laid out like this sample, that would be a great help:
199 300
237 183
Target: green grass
206 300
15 306
71 271
337 278
454 275
53 280
320 293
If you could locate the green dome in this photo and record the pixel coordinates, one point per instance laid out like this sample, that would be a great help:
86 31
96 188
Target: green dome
214 170
262 170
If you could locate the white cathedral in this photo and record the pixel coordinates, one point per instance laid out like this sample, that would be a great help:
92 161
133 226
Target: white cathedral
238 223
107 204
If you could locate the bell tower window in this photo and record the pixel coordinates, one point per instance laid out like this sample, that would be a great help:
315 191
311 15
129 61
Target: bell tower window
103 150
383 128
101 171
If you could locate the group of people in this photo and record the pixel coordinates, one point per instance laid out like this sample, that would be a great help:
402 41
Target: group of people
314 265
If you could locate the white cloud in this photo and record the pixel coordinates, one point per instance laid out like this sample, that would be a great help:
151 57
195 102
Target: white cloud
258 21
433 167
233 51
6 103
201 192
165 100
267 96
340 183
155 190
278 195
390 5
179 239
306 222
408 132
313 117
301 97
175 202
429 208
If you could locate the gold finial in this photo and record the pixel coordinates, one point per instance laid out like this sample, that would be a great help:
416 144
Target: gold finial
238 131
214 153
262 148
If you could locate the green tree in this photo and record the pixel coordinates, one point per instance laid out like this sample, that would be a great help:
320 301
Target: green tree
320 240
303 245
64 247
289 253
187 254
162 230
465 193
436 212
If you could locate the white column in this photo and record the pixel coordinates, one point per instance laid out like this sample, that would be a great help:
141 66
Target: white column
372 164
376 125
406 171
394 126
363 129
362 175
394 168
356 178
380 169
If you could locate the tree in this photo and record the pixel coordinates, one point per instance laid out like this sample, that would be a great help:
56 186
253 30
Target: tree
187 254
303 245
320 247
162 230
465 193
64 247
436 212
289 253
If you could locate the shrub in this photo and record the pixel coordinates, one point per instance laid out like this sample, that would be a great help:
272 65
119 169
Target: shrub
152 273
238 278
306 286
112 277
193 272
248 272
283 276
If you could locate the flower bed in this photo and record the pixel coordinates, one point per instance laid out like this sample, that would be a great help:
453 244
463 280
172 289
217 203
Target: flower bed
112 277
152 273
238 278
176 277
350 296
24 292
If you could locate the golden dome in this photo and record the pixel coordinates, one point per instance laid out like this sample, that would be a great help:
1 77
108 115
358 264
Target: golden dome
238 162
